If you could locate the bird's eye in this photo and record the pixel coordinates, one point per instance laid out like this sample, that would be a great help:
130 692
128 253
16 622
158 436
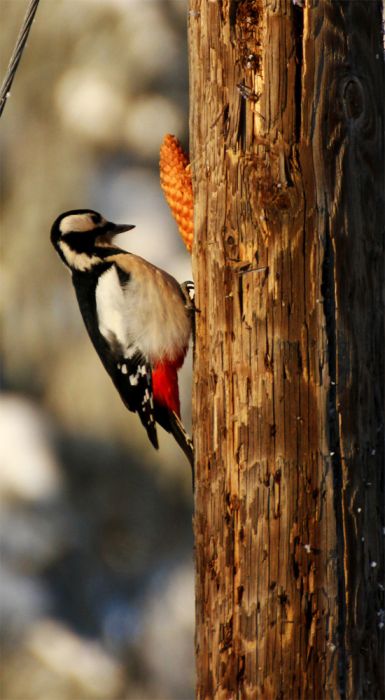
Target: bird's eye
96 218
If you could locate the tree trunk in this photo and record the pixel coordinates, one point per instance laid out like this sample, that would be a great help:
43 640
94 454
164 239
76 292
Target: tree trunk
287 158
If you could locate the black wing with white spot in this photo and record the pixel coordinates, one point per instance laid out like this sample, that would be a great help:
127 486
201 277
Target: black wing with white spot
132 377
129 370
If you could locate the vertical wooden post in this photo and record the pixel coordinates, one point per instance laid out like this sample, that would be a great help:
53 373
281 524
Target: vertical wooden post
287 157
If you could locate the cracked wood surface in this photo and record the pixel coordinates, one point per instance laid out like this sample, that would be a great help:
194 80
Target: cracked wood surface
287 160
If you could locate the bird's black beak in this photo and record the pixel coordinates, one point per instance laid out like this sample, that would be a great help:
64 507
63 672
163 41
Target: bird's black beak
109 230
114 229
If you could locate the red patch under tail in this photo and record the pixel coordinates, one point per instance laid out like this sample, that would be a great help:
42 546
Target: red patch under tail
165 385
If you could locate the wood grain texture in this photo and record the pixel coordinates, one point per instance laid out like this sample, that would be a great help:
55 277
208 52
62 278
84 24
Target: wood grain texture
287 159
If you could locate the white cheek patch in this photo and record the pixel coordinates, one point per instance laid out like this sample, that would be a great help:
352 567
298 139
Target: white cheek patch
78 261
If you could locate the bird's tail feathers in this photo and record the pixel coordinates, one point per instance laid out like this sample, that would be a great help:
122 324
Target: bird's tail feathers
183 439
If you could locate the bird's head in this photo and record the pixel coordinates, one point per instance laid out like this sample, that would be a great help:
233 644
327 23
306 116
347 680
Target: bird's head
78 231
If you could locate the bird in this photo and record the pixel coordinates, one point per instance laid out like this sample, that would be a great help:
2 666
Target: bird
138 317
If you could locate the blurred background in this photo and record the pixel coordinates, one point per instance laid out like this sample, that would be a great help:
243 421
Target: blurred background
96 583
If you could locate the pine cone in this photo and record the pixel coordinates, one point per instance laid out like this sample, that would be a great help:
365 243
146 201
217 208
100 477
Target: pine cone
175 180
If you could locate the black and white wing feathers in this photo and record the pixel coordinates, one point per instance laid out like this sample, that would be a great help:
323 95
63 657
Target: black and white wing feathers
132 377
102 302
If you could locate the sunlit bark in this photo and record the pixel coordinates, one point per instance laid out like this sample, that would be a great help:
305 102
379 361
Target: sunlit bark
287 159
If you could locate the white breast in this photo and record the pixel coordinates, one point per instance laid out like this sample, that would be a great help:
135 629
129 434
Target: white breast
110 307
147 312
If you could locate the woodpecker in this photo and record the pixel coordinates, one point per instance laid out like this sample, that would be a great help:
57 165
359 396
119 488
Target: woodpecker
138 317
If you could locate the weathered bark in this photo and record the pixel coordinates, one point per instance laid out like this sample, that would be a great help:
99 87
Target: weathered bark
289 218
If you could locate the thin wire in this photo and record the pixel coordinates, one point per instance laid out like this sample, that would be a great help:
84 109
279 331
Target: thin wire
17 53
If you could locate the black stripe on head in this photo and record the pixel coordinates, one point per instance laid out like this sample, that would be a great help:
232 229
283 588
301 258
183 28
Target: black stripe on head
82 242
78 228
